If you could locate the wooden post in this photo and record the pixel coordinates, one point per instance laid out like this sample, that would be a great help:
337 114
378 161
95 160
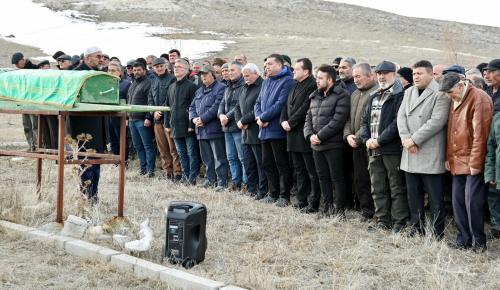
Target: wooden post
40 133
123 149
60 169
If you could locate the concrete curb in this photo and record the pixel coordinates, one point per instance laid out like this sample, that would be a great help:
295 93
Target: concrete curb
141 268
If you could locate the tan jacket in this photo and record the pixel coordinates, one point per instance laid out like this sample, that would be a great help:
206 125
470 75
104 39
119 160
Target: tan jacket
468 129
358 102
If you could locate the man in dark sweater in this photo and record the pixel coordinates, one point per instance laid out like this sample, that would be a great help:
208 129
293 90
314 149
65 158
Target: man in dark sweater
140 124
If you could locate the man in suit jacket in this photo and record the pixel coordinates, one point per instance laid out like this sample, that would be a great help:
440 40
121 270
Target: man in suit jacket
293 117
422 120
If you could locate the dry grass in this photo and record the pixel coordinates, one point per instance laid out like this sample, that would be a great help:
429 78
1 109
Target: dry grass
31 265
260 246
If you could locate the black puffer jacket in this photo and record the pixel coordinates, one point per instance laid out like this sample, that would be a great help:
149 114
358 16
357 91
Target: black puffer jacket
327 116
158 91
180 95
228 104
138 95
388 139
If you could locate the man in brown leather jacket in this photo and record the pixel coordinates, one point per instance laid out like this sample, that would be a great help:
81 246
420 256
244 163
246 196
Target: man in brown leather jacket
469 122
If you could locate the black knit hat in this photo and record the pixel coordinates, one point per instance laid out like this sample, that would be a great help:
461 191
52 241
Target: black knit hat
57 54
406 73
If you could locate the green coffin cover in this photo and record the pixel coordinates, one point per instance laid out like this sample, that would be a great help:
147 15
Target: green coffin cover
59 88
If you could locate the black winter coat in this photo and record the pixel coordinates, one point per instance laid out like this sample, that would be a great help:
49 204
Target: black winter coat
228 104
158 92
350 86
388 137
94 126
244 112
327 116
180 95
138 95
295 112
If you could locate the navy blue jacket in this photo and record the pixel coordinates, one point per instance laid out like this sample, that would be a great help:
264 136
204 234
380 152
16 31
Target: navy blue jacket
205 105
272 98
125 83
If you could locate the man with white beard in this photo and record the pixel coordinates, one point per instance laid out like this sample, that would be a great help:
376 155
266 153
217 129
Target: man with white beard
379 131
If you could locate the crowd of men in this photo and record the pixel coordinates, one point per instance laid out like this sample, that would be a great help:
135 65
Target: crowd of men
378 139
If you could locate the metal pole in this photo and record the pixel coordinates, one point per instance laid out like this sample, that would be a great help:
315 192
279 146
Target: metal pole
60 170
38 146
121 182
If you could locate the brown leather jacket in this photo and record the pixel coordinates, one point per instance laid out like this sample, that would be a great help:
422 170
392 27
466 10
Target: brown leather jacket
468 129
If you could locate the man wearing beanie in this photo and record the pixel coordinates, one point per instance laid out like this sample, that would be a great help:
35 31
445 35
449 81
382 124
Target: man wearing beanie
405 75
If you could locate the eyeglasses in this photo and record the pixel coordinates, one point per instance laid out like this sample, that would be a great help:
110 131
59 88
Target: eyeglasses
112 70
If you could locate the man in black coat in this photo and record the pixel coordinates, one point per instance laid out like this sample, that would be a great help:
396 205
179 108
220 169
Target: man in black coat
245 116
379 131
325 121
292 120
90 125
180 95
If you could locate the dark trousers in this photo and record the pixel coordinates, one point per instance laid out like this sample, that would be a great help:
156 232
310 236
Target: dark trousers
494 206
50 131
213 154
307 179
362 182
469 205
30 125
388 190
277 167
257 179
330 169
418 185
352 201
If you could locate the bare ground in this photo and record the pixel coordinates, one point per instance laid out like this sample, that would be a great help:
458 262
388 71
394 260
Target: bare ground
256 245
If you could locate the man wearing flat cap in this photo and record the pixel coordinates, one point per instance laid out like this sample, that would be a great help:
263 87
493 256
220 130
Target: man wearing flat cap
203 114
379 132
492 79
157 97
469 122
422 120
64 62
